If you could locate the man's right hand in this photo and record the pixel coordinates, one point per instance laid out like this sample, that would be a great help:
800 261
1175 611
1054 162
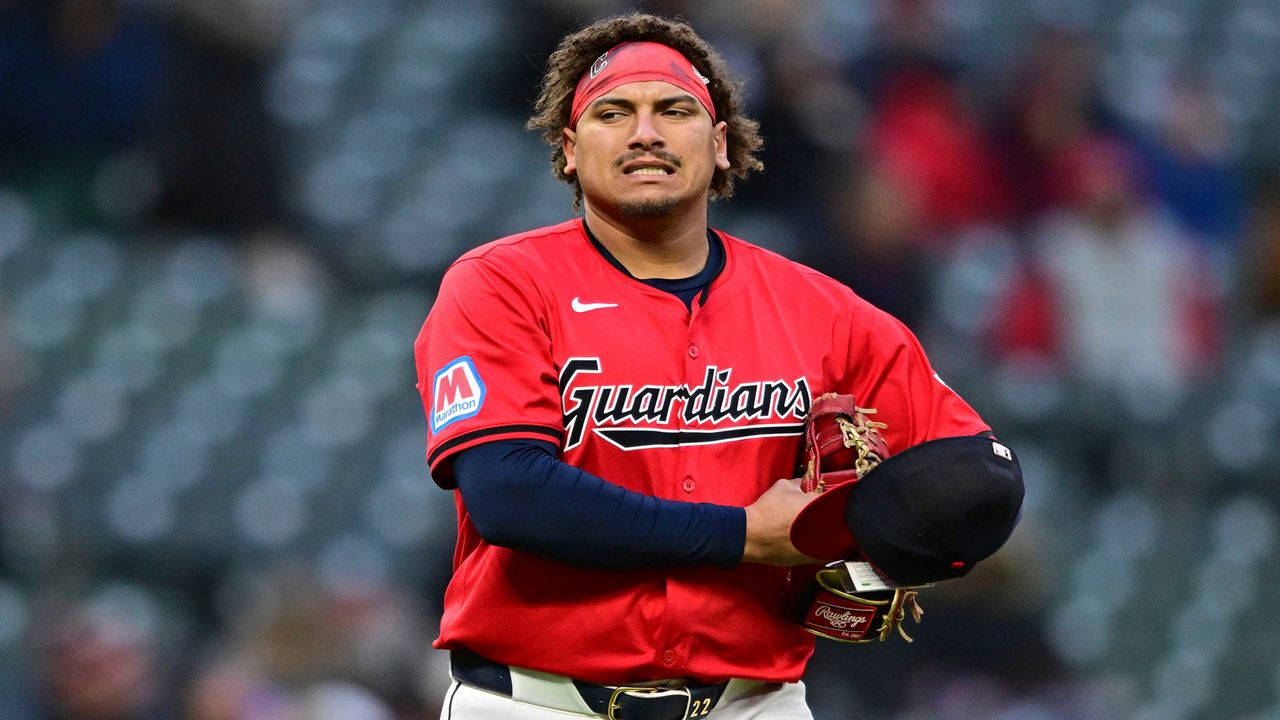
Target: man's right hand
769 521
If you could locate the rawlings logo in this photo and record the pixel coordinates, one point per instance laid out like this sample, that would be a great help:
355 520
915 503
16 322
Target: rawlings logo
840 619
617 411
848 623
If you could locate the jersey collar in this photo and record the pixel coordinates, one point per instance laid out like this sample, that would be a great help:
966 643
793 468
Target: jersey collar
683 288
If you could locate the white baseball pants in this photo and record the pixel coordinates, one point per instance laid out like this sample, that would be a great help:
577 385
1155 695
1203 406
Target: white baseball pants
464 702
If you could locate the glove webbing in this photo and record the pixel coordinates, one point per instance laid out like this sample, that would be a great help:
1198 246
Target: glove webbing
853 431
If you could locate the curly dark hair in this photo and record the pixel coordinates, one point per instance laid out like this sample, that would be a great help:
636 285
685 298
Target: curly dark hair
576 53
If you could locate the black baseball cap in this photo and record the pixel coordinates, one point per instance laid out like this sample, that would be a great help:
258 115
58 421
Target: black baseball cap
929 513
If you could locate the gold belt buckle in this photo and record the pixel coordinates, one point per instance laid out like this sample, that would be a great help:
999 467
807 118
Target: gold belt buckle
614 706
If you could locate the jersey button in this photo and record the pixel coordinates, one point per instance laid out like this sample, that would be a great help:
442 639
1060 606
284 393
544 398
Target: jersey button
693 351
669 657
688 484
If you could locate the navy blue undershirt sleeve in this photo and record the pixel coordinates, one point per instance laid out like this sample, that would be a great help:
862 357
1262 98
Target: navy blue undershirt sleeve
521 496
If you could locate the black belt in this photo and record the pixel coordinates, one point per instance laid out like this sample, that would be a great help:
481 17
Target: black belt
689 702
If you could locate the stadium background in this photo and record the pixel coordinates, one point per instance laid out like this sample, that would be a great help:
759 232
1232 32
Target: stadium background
221 224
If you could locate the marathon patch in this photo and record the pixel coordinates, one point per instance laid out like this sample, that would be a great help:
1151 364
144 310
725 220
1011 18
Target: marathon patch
457 393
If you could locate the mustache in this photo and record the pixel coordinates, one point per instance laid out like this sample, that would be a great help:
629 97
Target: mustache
666 157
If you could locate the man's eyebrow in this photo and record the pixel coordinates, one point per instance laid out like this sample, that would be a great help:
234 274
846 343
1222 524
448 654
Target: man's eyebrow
661 104
667 102
615 101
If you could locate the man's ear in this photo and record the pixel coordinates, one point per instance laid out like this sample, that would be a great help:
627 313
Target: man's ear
722 145
568 138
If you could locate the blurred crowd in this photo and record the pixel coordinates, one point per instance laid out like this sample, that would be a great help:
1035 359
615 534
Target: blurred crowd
1076 205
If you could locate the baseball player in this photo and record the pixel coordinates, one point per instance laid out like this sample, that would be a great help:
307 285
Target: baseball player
617 402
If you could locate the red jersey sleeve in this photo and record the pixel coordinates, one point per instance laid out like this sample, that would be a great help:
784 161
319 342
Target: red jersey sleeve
484 364
890 372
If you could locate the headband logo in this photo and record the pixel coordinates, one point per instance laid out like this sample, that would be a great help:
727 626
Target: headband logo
601 63
701 77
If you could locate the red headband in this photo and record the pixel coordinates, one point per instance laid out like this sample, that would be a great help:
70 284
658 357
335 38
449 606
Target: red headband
637 62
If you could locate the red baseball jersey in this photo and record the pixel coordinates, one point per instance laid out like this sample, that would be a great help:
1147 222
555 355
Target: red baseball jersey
539 336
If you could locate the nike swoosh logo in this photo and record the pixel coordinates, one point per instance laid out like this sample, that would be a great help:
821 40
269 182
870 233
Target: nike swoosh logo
579 306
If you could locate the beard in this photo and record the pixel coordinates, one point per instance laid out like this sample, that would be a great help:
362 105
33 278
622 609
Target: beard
648 209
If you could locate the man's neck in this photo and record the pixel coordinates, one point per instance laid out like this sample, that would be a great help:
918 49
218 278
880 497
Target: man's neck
674 246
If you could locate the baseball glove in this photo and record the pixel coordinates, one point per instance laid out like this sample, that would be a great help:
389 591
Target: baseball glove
841 443
847 601
851 602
